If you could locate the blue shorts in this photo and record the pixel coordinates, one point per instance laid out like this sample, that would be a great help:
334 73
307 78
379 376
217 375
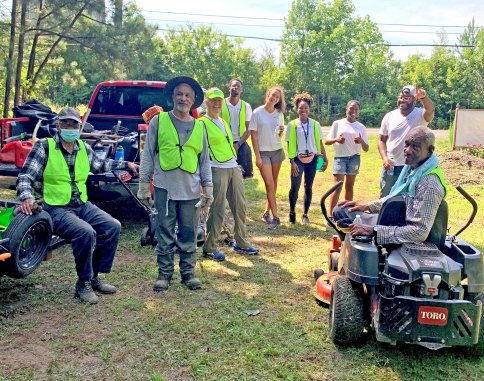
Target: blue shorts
346 165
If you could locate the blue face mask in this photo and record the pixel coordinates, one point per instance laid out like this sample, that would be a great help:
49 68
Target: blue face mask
69 135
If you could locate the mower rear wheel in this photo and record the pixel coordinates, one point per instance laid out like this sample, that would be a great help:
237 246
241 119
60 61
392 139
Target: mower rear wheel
29 239
346 312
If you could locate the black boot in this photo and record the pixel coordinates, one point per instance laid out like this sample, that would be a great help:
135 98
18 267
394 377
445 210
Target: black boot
165 271
187 271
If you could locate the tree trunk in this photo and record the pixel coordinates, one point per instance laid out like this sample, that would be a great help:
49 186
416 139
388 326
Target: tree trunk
33 49
118 13
11 49
20 52
54 45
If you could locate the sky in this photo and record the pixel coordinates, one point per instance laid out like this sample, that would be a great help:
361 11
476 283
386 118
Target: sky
264 19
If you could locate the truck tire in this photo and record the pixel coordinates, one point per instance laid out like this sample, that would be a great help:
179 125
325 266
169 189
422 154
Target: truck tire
346 312
29 238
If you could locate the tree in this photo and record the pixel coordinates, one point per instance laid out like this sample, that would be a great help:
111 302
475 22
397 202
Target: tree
333 55
212 58
9 63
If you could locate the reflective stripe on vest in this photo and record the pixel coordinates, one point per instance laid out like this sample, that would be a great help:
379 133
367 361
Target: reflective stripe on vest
437 171
221 146
57 180
242 115
170 153
292 144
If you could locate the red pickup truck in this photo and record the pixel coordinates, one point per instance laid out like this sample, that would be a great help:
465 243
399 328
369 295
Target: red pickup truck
113 121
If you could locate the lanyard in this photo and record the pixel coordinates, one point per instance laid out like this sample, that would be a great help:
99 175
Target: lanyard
306 133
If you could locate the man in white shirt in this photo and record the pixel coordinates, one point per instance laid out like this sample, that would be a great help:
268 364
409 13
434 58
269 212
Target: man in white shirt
395 126
237 114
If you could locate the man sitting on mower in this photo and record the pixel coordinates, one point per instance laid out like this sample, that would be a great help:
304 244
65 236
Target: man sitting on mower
422 186
61 165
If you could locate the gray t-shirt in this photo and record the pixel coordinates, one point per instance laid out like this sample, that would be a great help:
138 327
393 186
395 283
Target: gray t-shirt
179 184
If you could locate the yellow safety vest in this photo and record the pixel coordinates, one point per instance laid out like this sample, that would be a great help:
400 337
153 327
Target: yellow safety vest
57 180
438 172
242 115
221 145
171 154
292 144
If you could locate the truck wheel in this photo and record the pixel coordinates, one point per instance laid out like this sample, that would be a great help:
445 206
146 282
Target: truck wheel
29 239
346 312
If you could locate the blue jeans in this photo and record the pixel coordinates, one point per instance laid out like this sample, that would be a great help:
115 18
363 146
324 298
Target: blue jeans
387 181
93 233
346 165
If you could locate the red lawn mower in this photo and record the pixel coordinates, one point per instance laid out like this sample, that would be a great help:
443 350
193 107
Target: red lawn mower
429 294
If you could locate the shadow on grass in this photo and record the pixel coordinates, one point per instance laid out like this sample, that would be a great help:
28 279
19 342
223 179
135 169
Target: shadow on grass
203 335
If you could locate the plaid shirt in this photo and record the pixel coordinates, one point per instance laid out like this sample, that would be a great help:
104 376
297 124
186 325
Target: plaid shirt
420 214
31 176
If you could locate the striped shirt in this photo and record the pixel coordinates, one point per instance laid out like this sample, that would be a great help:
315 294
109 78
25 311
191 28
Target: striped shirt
420 213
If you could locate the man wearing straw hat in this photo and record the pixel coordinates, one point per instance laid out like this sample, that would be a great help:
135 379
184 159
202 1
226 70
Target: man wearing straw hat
176 157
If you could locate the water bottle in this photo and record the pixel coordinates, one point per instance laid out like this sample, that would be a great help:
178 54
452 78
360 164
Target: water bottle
119 154
357 219
320 163
390 171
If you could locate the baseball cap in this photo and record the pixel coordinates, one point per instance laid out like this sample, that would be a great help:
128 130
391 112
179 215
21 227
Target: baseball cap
69 113
409 90
213 93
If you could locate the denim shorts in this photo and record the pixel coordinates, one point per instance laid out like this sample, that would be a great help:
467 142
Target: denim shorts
347 165
272 157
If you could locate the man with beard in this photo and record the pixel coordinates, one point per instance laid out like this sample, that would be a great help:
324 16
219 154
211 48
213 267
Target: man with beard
176 156
395 126
237 114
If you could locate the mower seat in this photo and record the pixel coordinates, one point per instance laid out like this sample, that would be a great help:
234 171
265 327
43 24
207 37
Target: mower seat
393 213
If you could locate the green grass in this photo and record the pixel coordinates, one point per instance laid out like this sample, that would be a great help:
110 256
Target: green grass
45 334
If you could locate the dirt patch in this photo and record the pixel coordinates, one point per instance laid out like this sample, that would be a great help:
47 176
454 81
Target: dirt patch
461 168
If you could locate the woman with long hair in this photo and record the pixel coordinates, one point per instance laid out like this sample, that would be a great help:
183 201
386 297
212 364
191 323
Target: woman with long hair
304 137
266 128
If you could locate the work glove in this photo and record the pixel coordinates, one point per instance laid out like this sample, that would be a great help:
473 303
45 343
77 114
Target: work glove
144 194
206 198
